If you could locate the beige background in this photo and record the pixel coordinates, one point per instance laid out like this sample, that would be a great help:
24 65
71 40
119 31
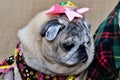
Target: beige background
15 14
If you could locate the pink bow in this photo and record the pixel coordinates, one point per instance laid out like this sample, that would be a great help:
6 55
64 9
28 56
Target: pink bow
70 12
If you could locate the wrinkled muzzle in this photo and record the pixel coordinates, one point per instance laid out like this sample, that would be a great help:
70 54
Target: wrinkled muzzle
76 51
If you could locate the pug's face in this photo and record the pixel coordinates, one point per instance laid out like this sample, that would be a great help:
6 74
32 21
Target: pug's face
69 41
60 46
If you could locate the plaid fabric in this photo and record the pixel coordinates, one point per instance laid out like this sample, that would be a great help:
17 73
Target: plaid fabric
106 64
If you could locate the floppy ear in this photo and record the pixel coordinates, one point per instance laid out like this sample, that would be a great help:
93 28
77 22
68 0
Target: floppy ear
51 29
46 26
52 32
87 24
43 30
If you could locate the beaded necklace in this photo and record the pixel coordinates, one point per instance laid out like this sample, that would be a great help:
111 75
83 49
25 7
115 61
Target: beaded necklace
28 73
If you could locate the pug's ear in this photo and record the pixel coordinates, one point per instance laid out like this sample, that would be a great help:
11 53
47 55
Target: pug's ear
43 30
46 26
51 30
87 24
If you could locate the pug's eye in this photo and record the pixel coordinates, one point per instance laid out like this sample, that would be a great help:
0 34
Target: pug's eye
51 30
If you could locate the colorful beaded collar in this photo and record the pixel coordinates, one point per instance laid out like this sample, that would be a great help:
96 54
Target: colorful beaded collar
28 73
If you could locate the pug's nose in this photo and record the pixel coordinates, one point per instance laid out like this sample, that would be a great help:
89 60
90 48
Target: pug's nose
67 46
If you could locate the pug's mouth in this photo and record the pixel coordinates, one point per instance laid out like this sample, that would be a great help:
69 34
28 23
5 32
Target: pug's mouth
77 54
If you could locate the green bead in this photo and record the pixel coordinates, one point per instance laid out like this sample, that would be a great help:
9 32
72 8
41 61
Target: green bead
63 3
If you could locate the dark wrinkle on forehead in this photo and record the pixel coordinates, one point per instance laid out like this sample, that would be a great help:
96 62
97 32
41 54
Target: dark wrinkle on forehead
75 28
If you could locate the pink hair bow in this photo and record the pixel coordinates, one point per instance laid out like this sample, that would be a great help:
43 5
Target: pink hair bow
70 11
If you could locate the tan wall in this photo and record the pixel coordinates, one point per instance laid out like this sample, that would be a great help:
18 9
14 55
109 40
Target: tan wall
15 14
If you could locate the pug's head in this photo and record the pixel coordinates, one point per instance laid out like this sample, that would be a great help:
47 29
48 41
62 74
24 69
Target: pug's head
59 45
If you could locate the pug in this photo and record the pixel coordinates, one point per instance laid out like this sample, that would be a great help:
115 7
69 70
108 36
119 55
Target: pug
54 47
